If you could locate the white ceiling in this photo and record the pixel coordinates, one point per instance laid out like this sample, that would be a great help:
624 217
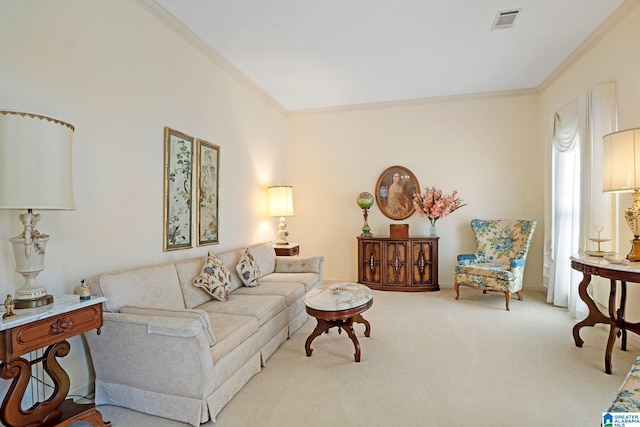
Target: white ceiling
324 53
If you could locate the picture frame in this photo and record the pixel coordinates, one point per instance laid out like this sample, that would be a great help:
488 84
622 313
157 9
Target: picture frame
394 192
178 190
207 184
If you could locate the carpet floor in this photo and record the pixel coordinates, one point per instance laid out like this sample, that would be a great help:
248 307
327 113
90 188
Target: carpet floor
431 361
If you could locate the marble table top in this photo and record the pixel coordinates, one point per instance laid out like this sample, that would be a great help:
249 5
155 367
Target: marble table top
61 304
618 263
337 296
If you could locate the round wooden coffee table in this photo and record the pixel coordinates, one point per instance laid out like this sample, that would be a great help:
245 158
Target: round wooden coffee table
338 305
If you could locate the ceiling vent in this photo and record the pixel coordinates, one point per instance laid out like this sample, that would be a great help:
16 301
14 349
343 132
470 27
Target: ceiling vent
505 19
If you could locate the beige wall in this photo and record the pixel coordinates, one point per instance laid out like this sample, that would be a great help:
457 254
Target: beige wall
120 76
485 147
615 58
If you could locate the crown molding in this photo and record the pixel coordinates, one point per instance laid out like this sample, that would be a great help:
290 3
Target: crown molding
415 102
190 37
594 38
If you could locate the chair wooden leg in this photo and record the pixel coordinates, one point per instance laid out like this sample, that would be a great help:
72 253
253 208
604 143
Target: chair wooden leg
519 296
507 296
456 287
484 292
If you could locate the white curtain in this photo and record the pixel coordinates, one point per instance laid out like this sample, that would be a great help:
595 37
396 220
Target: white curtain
577 203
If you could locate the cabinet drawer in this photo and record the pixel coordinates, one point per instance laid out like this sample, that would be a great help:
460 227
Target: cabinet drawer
42 333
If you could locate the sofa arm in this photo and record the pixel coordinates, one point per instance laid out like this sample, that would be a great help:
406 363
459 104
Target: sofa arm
467 259
167 320
291 264
131 350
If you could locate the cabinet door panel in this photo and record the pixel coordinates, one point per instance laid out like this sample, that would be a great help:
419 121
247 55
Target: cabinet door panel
395 267
422 262
370 270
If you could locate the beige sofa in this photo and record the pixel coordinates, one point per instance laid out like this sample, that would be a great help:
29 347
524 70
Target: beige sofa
167 348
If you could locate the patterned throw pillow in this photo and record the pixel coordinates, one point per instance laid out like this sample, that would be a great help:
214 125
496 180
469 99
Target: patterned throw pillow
215 278
248 269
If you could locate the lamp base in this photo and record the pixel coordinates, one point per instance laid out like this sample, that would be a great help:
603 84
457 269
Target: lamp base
282 233
33 302
634 255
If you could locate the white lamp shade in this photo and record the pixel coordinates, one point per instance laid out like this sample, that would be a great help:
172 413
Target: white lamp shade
622 161
280 200
35 162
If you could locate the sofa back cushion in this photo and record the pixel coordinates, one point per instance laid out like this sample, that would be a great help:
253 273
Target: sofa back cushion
265 257
154 287
187 271
230 259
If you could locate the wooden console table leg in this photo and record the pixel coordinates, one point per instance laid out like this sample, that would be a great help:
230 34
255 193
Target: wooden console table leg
321 326
613 328
53 411
348 327
19 369
359 319
595 315
621 322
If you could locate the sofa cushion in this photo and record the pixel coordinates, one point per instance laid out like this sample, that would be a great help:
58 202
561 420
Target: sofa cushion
200 315
292 292
298 264
215 278
261 307
265 257
230 259
309 280
187 270
155 287
248 268
231 331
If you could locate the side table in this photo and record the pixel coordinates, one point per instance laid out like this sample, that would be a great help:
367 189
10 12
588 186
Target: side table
291 249
35 328
338 305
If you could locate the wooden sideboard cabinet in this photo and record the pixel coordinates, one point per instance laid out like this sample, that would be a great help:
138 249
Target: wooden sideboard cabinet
398 264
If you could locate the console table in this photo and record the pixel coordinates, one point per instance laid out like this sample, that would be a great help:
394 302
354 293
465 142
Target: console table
398 264
594 266
36 328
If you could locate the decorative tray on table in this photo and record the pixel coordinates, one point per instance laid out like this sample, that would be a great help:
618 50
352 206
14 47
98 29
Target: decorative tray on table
598 240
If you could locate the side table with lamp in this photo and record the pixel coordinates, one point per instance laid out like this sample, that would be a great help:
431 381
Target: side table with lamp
621 173
35 174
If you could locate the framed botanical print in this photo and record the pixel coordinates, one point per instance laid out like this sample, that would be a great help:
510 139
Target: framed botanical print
394 192
178 190
207 178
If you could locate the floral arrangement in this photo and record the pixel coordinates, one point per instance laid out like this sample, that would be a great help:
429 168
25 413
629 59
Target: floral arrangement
435 205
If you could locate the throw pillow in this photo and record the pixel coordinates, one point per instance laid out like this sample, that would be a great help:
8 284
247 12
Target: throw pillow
215 278
248 268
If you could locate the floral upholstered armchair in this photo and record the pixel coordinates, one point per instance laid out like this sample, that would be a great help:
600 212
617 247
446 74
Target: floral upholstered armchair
498 263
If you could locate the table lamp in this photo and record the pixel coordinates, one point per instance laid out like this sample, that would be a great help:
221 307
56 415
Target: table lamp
622 175
365 201
281 204
35 174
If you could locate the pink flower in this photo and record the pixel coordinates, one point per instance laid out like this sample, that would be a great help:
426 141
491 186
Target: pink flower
433 205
